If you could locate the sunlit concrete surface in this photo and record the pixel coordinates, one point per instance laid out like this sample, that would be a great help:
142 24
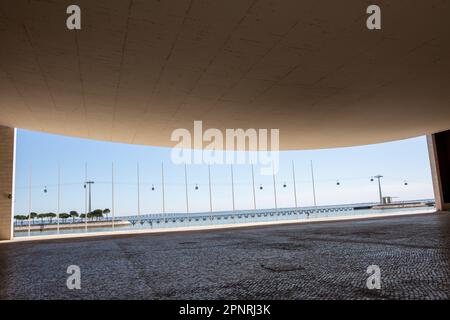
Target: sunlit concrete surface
7 147
326 260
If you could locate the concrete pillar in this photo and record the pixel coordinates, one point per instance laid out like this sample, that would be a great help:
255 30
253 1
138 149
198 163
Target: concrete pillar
7 153
439 149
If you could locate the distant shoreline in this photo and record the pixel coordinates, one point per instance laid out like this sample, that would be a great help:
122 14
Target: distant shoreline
221 226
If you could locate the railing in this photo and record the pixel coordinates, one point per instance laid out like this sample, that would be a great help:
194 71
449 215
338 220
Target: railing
176 220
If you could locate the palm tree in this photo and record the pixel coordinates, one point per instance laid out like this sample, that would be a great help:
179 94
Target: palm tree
42 216
106 212
64 216
33 215
20 218
73 214
51 215
24 217
98 213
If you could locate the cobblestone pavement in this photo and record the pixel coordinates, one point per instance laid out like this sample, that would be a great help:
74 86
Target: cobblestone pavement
305 261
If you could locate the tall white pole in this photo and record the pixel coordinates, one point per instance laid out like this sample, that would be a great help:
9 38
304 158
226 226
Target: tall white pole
138 193
29 200
232 187
163 191
379 187
275 191
254 193
59 198
186 184
85 197
210 189
113 208
295 186
313 184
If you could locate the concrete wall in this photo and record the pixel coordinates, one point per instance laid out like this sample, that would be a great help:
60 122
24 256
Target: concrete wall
439 149
7 151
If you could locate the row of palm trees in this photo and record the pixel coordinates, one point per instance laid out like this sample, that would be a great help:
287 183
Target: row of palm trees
96 214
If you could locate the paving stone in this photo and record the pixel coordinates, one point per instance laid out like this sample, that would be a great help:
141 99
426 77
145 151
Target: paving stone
305 261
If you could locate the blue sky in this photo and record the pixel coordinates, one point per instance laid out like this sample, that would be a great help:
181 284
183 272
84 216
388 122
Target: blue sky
399 161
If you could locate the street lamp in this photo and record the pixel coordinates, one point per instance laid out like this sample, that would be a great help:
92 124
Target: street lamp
89 185
379 186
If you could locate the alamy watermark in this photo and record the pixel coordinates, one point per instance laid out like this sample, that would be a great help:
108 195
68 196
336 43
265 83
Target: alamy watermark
373 22
74 280
374 280
73 21
242 146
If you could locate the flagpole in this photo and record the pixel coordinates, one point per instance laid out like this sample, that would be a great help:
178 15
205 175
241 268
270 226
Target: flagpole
232 187
138 193
275 191
112 196
186 184
29 199
295 187
254 194
85 197
59 198
210 189
163 191
313 184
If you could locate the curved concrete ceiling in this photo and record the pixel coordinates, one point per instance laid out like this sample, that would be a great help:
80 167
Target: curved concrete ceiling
139 69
